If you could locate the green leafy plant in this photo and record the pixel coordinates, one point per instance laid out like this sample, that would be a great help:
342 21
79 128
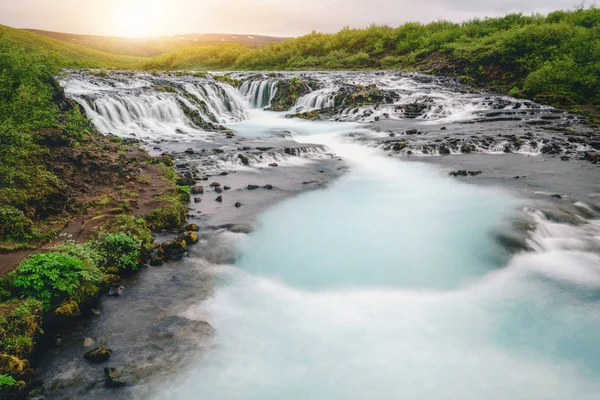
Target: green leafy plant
121 251
52 277
7 381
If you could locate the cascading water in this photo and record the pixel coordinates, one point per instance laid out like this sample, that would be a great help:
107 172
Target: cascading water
149 106
259 93
390 282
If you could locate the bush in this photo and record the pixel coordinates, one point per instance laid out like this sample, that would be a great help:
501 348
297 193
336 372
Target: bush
53 277
14 225
84 252
134 226
121 251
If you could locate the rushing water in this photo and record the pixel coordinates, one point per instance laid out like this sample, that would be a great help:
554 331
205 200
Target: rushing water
387 284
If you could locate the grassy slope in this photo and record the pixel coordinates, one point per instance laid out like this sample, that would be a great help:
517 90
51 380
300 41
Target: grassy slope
156 46
67 55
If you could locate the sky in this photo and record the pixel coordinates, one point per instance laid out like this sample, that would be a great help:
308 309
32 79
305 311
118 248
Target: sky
152 18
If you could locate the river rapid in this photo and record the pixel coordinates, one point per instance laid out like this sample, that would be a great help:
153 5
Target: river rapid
359 268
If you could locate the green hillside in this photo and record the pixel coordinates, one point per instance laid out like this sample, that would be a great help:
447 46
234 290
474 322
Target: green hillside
155 46
64 54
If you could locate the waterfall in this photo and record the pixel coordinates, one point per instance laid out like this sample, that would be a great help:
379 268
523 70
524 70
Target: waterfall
323 98
149 106
259 93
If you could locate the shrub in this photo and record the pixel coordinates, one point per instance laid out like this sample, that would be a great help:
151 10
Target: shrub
135 226
121 251
84 252
14 225
53 277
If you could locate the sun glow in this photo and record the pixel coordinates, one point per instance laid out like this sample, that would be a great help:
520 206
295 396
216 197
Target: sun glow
139 19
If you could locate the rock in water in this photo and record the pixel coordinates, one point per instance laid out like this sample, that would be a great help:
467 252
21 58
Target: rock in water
98 355
219 199
189 227
218 190
173 249
238 204
244 159
117 377
197 200
197 189
253 187
190 237
116 290
88 342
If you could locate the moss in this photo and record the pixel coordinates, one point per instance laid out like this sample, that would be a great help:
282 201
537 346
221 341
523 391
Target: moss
227 79
68 308
288 92
165 89
171 215
111 280
20 325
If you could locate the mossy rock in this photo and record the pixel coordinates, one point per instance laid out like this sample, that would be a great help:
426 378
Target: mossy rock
111 280
97 355
68 308
174 249
190 237
189 227
290 91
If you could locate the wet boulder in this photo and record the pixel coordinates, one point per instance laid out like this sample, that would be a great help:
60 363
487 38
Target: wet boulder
190 237
189 227
197 189
97 355
244 159
413 110
115 291
174 249
117 377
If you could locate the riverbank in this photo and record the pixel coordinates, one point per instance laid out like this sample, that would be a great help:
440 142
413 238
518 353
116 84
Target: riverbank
77 211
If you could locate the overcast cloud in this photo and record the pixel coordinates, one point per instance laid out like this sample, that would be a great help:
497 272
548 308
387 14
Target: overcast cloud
274 17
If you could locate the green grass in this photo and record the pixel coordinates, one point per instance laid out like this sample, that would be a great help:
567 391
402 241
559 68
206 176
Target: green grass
67 55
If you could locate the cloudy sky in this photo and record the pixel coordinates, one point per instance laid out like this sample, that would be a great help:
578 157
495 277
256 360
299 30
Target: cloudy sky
271 17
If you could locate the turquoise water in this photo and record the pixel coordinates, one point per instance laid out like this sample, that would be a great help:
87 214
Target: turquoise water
388 285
